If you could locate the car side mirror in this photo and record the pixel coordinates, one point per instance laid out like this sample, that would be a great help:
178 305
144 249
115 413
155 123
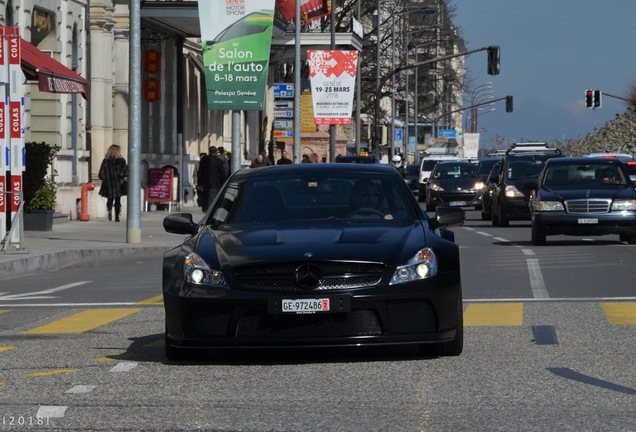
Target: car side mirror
180 223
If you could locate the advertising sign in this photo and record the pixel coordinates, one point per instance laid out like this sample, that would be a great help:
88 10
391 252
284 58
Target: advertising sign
4 147
332 75
236 59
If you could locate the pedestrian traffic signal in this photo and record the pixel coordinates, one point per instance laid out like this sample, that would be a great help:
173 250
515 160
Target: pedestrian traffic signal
589 98
597 98
493 60
508 103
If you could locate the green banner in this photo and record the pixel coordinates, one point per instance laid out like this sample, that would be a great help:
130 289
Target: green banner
236 59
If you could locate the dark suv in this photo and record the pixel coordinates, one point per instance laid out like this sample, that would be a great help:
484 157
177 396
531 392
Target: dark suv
520 170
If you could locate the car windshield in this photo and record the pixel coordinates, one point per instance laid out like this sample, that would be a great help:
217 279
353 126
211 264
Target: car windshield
586 175
526 166
455 171
346 196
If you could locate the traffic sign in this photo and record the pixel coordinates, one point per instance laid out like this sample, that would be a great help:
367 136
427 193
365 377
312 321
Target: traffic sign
397 136
283 90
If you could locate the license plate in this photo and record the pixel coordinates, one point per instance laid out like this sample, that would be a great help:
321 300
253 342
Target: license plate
588 221
458 203
300 306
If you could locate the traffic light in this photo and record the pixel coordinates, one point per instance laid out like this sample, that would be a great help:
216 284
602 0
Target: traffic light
589 98
597 98
493 60
508 103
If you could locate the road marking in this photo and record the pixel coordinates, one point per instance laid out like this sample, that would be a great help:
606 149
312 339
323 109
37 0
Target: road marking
483 233
39 294
80 389
51 372
124 366
527 252
17 305
152 300
536 279
47 412
493 315
501 239
4 311
6 348
83 321
620 313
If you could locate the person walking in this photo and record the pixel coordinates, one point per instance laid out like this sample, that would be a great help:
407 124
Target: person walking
113 172
284 160
211 176
260 161
226 162
195 180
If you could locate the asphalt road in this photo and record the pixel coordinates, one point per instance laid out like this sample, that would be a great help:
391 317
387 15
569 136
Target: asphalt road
550 343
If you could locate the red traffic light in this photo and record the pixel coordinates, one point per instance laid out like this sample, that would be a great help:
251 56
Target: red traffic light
589 98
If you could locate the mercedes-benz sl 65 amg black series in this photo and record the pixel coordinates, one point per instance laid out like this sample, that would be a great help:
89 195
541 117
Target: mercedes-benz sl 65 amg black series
314 255
583 196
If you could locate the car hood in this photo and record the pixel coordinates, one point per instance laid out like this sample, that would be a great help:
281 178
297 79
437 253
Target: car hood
609 192
279 243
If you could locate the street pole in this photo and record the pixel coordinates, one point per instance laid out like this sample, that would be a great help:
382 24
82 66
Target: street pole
133 211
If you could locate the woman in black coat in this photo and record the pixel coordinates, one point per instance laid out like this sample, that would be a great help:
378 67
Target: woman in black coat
112 173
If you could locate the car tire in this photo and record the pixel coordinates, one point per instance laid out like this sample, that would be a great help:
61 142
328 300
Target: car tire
453 347
430 207
494 217
504 221
538 236
630 239
485 216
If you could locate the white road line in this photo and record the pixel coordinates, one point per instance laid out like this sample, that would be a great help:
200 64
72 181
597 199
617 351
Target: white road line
39 294
527 252
124 366
536 279
483 233
501 239
51 411
69 304
79 389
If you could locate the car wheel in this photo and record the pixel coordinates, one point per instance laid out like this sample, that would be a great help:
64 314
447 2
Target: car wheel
631 239
494 216
485 216
451 348
538 237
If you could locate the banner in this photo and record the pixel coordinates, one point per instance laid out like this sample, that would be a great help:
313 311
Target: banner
333 76
309 9
236 59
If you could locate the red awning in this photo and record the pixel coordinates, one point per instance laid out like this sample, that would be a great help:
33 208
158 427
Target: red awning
52 76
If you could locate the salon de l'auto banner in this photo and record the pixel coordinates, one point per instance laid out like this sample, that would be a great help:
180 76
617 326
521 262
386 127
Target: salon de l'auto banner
236 41
332 74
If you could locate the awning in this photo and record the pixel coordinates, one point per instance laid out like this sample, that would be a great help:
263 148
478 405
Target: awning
52 76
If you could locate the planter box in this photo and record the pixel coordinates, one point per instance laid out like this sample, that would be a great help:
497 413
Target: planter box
38 220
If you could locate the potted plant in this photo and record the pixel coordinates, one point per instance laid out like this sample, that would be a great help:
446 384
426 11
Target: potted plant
40 188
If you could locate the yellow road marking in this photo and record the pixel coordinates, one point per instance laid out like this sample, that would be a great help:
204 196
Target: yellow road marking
620 313
52 372
4 311
6 348
152 300
83 321
493 314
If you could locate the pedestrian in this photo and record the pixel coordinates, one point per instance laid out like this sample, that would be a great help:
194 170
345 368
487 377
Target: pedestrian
313 158
260 161
305 159
284 160
113 172
396 161
195 180
224 159
211 176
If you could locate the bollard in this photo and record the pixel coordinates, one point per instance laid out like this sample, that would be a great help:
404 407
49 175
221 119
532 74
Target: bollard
84 216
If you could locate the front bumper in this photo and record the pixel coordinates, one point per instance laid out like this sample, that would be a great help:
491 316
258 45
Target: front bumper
418 312
554 223
455 199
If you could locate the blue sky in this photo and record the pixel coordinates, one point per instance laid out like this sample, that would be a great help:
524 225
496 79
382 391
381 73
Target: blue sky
551 52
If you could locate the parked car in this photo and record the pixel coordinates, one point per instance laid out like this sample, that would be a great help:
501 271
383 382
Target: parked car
426 166
489 189
519 172
454 183
283 258
583 197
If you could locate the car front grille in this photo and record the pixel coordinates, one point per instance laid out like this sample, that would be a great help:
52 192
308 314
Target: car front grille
281 277
588 206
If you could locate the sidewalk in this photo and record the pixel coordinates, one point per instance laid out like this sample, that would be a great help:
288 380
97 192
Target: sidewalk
75 241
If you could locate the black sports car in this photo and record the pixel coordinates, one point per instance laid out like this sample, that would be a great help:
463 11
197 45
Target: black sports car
583 196
314 255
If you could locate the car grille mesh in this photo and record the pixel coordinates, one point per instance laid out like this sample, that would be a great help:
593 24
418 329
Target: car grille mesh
337 276
588 206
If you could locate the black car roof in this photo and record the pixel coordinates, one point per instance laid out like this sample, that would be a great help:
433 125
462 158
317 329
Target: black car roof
583 160
317 169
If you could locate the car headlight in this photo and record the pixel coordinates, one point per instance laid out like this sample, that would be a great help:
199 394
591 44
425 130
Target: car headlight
435 187
513 192
548 206
196 271
623 205
479 185
422 266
